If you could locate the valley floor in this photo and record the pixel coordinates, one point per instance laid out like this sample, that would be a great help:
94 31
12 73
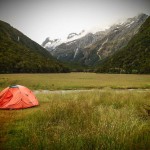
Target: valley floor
115 115
84 120
67 81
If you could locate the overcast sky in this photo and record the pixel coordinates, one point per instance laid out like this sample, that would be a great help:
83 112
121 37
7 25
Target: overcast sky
39 19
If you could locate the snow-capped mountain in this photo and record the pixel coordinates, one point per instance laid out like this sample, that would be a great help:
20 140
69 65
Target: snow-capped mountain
75 35
50 45
89 48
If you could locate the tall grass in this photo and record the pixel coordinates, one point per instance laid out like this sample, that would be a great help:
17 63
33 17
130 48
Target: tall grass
75 81
91 120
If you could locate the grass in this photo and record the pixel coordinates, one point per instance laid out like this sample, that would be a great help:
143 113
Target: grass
86 120
75 81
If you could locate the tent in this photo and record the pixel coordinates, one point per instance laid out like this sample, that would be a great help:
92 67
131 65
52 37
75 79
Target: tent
17 97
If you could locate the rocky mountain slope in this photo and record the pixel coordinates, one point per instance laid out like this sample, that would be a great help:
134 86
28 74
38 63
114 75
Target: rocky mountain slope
19 54
92 48
133 58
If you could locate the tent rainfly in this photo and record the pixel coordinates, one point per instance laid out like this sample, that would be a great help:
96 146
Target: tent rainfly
17 97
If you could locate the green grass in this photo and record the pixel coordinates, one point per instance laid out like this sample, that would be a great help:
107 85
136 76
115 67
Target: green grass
85 120
75 81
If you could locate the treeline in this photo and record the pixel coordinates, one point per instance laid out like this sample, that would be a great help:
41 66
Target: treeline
19 54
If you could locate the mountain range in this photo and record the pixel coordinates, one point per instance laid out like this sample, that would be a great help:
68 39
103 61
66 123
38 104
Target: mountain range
122 48
91 49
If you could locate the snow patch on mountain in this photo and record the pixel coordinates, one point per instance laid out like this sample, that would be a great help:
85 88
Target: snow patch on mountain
76 51
101 47
75 36
128 25
52 44
69 43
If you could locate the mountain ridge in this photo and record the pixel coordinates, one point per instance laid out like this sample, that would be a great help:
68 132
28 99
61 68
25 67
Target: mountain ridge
20 54
134 58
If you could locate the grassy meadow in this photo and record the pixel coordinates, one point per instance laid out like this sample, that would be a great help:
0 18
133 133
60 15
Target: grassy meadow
97 119
75 81
87 121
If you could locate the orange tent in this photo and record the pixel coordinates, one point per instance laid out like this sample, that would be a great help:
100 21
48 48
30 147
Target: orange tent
17 97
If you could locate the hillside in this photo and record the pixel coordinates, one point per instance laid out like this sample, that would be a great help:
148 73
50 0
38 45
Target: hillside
19 54
134 58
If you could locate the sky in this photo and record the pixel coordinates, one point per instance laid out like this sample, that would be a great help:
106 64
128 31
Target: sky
39 19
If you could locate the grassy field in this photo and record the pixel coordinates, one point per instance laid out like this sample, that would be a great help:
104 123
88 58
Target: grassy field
98 119
87 121
75 81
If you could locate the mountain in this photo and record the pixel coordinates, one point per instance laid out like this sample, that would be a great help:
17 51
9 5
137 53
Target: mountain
92 48
51 45
19 54
133 58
